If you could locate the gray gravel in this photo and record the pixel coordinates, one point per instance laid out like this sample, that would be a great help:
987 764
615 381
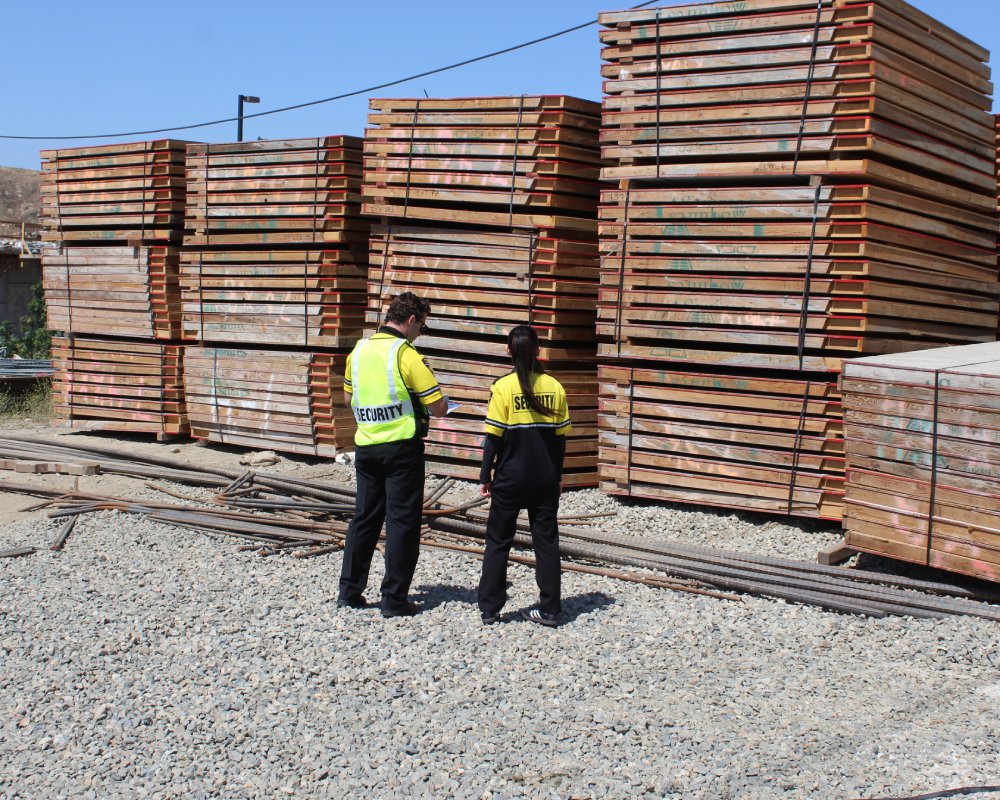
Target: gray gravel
145 661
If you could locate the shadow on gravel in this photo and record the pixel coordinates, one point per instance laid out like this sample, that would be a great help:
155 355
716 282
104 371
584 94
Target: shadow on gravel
582 604
429 596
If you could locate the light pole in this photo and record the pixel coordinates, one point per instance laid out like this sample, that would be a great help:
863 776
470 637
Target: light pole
244 98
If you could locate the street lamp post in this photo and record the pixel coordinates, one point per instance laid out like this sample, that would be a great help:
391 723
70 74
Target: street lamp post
244 98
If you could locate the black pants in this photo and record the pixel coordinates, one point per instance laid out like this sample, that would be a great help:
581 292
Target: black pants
390 490
500 529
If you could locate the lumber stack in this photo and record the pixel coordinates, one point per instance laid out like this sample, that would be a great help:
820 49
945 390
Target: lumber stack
511 162
119 291
276 249
800 182
923 455
282 400
488 209
764 442
114 194
275 254
102 384
116 216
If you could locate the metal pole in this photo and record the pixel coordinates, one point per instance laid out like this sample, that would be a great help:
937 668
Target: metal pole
243 98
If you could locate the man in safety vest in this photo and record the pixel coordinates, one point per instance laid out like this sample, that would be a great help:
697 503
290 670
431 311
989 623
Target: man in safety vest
391 390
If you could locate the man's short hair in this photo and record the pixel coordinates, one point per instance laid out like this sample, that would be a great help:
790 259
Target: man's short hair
407 305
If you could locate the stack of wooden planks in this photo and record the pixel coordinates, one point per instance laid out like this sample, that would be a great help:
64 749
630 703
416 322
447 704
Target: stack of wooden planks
276 251
276 254
115 193
510 162
116 215
283 400
488 209
755 442
102 384
800 182
119 291
923 456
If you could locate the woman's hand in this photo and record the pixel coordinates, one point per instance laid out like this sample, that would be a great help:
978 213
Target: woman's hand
485 489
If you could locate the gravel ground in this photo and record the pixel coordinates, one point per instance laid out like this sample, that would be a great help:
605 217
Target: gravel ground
146 661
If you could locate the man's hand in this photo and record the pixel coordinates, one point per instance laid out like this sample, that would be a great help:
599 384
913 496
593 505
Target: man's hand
485 489
438 408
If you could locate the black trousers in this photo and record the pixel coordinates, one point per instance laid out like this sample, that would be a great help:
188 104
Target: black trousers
390 490
500 529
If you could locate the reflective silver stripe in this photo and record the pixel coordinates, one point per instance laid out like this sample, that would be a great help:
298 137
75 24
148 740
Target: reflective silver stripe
390 365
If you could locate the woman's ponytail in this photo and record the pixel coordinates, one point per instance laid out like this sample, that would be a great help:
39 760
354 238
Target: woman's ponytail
522 342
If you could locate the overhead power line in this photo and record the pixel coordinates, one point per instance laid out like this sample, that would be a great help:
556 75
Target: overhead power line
344 96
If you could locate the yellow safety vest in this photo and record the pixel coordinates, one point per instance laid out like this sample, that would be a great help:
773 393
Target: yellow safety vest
380 401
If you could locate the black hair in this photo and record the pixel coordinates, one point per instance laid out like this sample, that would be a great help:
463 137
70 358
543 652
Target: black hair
407 305
522 342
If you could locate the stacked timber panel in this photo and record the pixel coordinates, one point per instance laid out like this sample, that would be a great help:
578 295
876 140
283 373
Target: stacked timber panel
117 384
116 216
488 209
923 455
287 400
275 257
799 182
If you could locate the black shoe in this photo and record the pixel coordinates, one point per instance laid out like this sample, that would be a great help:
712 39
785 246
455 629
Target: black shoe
490 619
352 602
536 615
406 610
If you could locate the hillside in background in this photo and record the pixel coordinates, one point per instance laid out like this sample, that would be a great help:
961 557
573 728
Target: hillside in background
19 194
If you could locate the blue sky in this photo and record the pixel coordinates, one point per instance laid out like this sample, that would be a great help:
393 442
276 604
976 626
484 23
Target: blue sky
79 68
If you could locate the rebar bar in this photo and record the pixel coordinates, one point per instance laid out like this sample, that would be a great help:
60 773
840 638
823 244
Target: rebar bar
64 533
17 552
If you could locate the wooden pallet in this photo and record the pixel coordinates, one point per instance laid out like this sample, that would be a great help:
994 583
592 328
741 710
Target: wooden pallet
290 401
923 451
276 251
774 86
663 429
801 183
123 193
488 210
506 161
736 232
480 283
103 384
288 191
113 291
303 297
